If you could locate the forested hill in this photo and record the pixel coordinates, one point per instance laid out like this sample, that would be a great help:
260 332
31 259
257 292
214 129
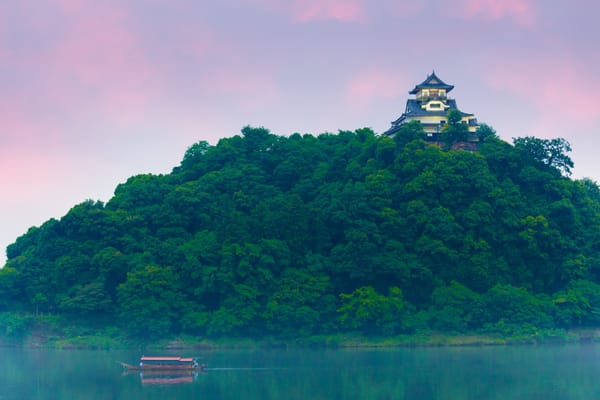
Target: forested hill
305 235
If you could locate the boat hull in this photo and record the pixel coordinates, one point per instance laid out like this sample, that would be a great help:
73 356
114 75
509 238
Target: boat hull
164 367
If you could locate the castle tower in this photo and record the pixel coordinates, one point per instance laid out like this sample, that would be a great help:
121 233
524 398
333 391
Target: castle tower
430 107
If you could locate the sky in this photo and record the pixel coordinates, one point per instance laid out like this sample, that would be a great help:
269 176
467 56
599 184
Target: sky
95 91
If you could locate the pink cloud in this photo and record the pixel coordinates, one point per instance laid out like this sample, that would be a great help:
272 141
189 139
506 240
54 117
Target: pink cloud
406 9
372 84
521 11
101 55
302 11
87 58
337 10
16 127
29 173
550 84
249 89
95 69
198 43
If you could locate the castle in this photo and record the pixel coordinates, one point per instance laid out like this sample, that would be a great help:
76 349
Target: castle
430 107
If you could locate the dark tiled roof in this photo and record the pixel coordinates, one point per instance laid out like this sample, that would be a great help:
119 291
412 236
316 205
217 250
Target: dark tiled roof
413 110
392 130
432 82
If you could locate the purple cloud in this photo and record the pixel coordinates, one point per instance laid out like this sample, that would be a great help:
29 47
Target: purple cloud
520 11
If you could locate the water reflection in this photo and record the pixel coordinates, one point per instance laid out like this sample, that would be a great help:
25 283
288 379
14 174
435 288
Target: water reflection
165 378
546 372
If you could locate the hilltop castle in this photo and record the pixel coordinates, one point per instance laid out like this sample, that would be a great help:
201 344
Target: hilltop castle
430 107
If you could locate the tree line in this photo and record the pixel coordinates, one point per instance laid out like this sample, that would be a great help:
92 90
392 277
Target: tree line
304 235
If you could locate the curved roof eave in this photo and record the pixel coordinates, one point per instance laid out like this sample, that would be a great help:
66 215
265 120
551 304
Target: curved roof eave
432 82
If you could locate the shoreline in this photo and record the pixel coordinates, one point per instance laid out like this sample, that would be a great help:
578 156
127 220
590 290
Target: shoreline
340 341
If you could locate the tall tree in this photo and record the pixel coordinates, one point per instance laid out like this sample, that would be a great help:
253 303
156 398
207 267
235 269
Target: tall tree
549 152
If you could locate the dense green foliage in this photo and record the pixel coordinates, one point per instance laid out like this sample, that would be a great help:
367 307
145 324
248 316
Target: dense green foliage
304 235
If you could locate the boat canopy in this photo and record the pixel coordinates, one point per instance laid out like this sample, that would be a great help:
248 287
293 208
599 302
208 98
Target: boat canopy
167 360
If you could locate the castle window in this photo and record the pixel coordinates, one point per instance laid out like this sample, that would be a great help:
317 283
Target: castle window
435 105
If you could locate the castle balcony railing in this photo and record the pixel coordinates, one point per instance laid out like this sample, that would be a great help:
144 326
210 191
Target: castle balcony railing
432 97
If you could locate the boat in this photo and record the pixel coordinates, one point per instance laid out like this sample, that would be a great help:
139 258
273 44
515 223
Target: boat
148 363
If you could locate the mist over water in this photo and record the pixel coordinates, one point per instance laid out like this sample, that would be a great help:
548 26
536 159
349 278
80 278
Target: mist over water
514 372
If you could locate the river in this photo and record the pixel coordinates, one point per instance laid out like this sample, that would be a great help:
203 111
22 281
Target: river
550 372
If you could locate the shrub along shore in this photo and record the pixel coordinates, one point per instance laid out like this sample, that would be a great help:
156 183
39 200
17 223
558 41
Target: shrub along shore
340 341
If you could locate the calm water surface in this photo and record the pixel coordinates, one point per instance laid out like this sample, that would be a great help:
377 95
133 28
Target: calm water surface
478 373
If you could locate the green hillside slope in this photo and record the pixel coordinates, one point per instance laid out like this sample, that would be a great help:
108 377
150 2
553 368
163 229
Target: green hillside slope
308 235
